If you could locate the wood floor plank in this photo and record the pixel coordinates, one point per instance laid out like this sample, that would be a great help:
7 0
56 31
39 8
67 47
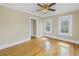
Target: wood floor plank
42 47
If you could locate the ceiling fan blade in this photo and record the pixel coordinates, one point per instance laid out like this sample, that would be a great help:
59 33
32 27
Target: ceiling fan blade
39 5
38 10
51 4
52 9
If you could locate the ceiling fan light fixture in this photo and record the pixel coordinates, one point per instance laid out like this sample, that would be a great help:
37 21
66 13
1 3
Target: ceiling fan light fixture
45 10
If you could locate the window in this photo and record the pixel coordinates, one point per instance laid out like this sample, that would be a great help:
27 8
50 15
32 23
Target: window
48 26
65 25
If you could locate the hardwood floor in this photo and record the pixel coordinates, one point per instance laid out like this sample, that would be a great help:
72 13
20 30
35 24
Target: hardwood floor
42 47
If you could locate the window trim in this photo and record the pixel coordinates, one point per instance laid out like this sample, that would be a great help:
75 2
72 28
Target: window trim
69 18
50 20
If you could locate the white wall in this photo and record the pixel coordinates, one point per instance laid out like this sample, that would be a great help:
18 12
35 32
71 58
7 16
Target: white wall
14 27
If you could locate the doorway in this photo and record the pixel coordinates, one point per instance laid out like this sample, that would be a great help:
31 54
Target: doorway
33 28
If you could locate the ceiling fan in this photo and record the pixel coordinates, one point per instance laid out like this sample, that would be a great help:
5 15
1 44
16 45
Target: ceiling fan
46 7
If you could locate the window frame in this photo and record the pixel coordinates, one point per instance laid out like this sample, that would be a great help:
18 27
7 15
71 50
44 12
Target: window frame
50 20
69 18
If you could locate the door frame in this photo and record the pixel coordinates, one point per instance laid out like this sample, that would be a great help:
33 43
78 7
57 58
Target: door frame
30 27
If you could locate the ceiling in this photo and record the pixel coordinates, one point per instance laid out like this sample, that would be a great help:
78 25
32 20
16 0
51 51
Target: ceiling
31 7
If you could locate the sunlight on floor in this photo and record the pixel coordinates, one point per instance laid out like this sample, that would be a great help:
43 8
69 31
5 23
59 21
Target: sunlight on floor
48 47
64 49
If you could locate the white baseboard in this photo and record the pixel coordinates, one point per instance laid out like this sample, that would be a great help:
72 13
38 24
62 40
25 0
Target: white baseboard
27 39
34 35
68 40
14 43
39 36
64 39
